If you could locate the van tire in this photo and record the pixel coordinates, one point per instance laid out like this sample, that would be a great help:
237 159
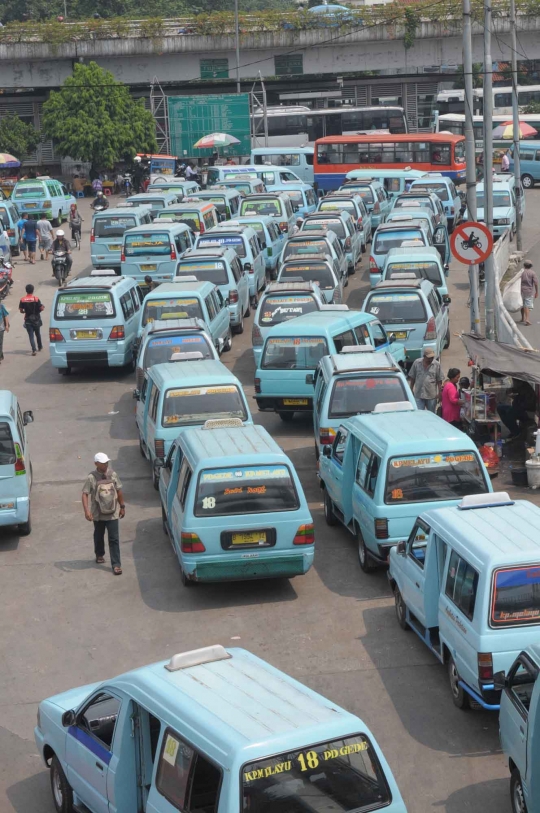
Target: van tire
164 521
155 480
239 329
25 528
329 515
286 417
64 371
366 562
527 181
460 698
247 312
60 788
141 447
517 798
228 342
186 581
447 339
401 610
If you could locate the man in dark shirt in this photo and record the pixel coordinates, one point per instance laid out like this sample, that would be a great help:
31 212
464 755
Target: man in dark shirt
514 415
31 306
30 237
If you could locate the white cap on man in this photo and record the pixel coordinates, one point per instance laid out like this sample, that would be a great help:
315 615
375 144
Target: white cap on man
101 457
60 233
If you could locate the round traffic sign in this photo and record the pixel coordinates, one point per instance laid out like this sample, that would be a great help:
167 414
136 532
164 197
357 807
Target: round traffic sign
471 243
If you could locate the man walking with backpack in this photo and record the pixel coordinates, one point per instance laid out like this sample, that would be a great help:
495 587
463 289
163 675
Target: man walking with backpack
103 504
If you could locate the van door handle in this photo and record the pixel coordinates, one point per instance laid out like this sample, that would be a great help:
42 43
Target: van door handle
416 583
522 730
99 766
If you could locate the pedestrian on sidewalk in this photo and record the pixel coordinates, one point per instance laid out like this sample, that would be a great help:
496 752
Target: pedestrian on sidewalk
4 328
425 379
30 237
22 242
103 504
451 403
529 291
45 237
31 306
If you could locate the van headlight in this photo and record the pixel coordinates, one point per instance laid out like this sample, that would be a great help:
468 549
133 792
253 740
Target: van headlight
503 221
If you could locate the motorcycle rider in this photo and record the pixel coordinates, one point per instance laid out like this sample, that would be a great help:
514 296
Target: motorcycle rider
100 201
75 220
191 174
61 244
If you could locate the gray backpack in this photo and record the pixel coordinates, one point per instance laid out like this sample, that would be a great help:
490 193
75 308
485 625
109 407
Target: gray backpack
106 496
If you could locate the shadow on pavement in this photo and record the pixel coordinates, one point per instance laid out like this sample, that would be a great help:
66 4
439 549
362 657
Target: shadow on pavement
493 796
32 794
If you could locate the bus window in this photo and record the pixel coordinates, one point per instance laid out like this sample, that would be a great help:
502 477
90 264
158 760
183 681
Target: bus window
440 154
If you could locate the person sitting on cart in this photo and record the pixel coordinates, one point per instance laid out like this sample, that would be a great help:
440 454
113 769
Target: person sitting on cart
515 415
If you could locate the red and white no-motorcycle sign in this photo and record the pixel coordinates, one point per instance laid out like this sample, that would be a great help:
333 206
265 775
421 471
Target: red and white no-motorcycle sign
471 243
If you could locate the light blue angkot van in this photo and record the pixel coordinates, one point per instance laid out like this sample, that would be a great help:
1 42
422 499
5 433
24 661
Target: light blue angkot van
394 181
9 217
243 239
94 322
163 338
184 393
195 715
299 159
156 200
233 505
15 465
271 238
107 233
302 196
153 250
384 469
422 262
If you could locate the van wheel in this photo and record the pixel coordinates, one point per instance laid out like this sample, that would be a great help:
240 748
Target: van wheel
366 562
141 448
329 515
527 181
447 340
186 581
460 697
240 328
286 417
64 371
61 791
401 610
364 248
517 797
247 312
25 528
228 342
164 521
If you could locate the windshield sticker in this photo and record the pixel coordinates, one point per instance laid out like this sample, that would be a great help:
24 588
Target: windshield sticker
411 266
171 750
170 303
433 460
200 267
232 241
295 342
235 475
306 760
199 391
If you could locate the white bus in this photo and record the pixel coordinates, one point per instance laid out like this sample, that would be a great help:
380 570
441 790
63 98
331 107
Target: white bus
453 101
455 123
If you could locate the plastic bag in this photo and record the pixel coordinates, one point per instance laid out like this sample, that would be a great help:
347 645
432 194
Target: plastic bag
512 299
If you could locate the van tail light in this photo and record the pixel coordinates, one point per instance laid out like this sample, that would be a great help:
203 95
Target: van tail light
190 543
159 447
326 436
305 535
20 468
117 333
55 335
360 222
452 210
257 385
431 330
256 336
47 204
348 243
373 267
381 529
11 232
201 228
122 257
284 226
485 666
377 209
92 236
173 252
233 296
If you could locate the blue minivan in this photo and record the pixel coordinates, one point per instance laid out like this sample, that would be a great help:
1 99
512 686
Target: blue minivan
233 505
153 250
15 465
107 233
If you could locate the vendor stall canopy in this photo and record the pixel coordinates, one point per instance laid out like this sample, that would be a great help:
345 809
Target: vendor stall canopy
503 359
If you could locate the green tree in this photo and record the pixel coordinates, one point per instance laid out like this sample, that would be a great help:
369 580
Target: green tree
93 118
16 136
532 107
477 76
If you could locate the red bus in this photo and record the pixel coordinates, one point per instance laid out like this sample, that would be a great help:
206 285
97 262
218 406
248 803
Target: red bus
335 156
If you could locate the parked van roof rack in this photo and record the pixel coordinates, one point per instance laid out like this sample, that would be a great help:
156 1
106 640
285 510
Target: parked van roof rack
358 348
402 275
223 423
397 406
190 279
493 500
196 657
194 355
103 272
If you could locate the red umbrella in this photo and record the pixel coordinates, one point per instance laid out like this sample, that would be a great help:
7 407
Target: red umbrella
506 130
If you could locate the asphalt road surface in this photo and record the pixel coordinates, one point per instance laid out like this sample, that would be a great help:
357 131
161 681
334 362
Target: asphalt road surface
68 621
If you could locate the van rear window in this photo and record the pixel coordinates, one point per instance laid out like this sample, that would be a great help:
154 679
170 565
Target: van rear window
7 449
260 207
79 305
29 192
394 239
352 396
113 226
173 308
215 272
430 271
307 246
310 272
336 226
333 206
278 309
149 243
195 405
440 189
395 308
160 349
303 353
515 599
213 239
191 219
341 775
365 192
246 490
433 477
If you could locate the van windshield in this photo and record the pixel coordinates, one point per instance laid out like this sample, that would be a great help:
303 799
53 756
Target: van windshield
215 272
440 189
85 305
303 353
191 219
394 239
424 202
433 477
195 405
110 226
173 308
308 245
336 226
149 243
341 775
395 307
29 192
352 396
499 199
312 272
260 207
213 239
332 206
281 308
246 490
160 349
7 449
430 271
219 202
516 597
365 192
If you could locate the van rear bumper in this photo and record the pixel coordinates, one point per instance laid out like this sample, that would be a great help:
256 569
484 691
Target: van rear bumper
279 405
89 358
15 515
278 565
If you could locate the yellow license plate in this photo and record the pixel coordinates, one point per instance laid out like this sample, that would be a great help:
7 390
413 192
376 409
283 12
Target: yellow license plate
254 538
114 247
30 205
399 334
295 402
86 334
148 267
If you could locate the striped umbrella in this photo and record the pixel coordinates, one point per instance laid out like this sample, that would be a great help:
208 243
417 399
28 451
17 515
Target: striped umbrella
215 140
7 160
506 130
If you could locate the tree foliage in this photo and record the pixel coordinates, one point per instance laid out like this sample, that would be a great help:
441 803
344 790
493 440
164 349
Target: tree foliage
533 108
477 76
16 136
93 118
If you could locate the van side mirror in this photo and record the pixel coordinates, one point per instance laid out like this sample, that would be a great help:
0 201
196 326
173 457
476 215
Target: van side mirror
391 338
159 463
69 718
401 548
137 394
309 378
500 681
446 268
446 299
28 417
327 451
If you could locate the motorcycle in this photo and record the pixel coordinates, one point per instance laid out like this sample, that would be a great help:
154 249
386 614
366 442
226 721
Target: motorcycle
99 207
6 281
60 266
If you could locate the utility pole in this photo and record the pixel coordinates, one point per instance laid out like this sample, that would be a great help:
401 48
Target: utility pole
515 119
470 157
489 265
237 37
